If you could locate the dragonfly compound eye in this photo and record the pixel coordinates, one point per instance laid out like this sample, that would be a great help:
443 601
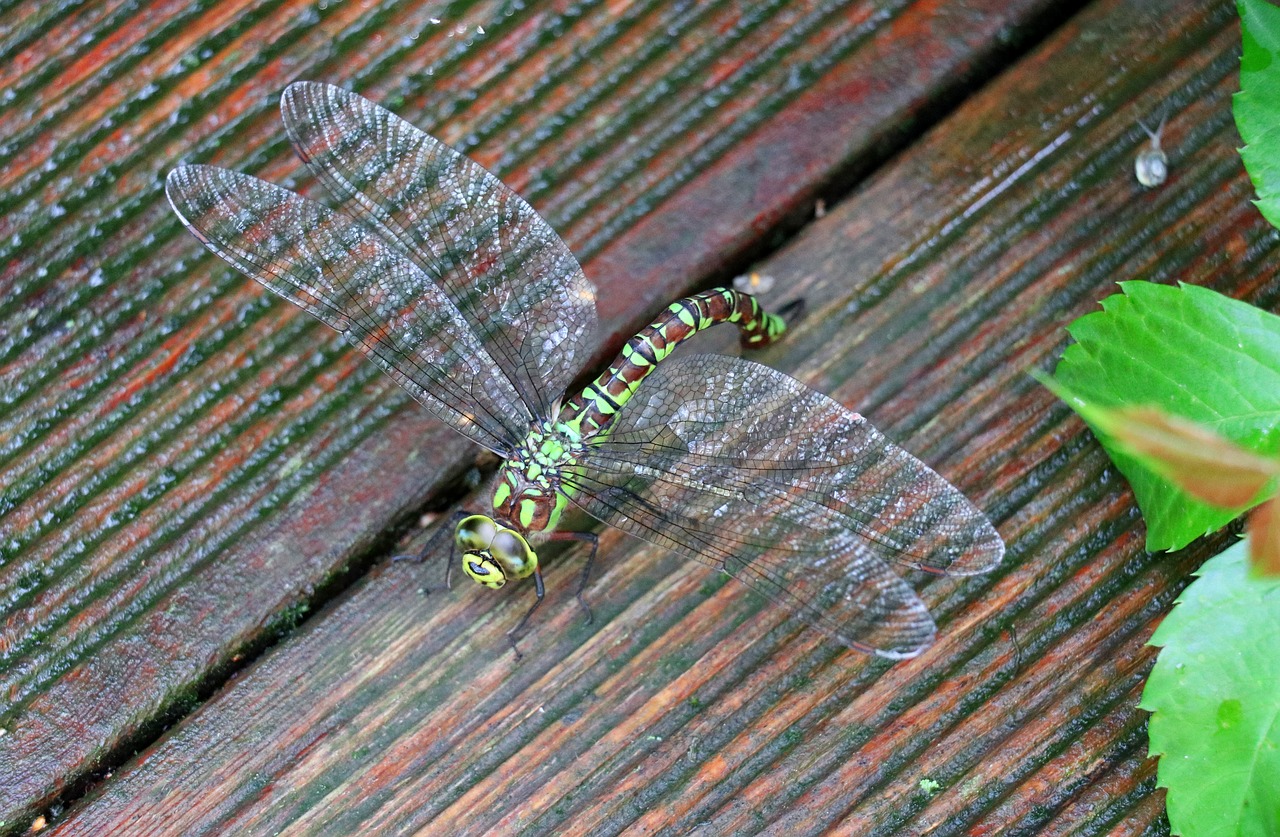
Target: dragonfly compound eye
483 569
513 553
475 533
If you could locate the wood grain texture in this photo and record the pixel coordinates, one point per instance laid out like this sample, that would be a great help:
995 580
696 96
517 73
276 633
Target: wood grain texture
186 466
689 706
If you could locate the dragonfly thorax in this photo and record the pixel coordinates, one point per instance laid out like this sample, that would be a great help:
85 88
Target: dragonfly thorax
527 498
529 492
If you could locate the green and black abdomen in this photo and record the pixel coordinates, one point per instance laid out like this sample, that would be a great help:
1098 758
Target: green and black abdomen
594 408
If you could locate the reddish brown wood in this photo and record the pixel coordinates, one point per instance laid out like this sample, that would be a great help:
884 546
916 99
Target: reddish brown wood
183 463
932 289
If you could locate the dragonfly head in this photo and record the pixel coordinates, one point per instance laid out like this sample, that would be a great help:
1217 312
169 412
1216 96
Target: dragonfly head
492 552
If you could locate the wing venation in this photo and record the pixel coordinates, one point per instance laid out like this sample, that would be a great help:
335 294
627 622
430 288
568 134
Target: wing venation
501 264
740 466
343 273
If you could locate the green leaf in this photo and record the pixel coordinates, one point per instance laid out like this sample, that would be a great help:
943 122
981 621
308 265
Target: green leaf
1215 695
1257 106
1191 352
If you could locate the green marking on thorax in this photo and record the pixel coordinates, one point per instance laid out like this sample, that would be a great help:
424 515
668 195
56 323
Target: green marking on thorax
562 500
527 509
552 449
501 493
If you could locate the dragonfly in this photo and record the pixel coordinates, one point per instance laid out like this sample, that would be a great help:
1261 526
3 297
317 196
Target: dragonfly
455 287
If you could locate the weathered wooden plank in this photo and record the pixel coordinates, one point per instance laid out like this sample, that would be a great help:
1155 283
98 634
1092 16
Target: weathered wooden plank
182 463
688 705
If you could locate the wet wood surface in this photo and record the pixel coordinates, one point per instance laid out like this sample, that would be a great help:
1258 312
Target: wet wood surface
200 633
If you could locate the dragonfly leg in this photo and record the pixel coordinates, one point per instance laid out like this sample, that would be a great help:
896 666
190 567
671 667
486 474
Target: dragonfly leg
585 537
1017 649
446 530
514 633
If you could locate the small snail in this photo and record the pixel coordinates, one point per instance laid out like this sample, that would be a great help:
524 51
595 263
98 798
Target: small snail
1152 166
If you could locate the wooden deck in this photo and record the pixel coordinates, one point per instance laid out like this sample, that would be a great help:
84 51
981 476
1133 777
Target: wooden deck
199 487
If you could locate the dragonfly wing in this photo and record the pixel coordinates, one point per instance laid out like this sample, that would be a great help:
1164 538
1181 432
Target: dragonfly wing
745 468
785 435
343 273
825 576
503 266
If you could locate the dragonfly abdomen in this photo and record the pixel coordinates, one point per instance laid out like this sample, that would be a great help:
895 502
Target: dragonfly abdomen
594 408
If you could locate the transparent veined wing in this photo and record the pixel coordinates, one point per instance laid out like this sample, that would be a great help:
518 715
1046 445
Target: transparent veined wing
343 273
507 271
745 468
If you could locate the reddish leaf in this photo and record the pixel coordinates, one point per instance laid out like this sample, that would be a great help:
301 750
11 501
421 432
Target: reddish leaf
1264 539
1199 461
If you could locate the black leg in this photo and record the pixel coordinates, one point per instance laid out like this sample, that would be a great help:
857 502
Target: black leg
585 537
793 312
445 531
515 632
1017 649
